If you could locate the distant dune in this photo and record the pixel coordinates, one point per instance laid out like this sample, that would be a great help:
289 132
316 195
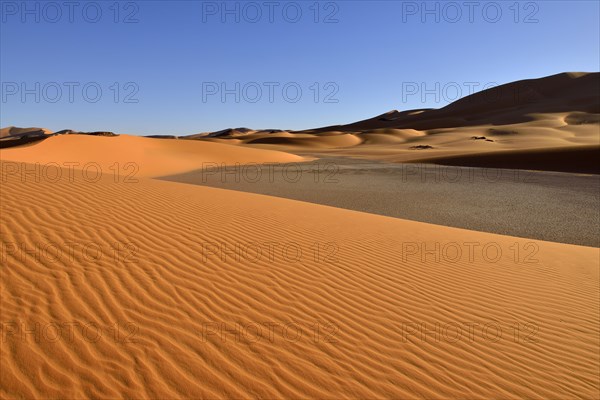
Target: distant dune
12 136
14 132
556 112
507 104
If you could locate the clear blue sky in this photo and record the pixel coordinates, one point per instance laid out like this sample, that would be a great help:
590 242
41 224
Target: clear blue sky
172 56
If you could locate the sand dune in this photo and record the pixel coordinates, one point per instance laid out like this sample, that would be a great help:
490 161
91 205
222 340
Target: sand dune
158 307
137 156
558 112
555 133
120 285
512 103
12 131
12 136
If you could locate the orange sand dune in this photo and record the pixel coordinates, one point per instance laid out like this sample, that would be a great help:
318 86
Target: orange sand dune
555 112
158 290
550 131
132 155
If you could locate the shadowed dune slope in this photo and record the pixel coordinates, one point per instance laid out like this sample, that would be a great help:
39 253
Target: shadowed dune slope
12 131
501 105
355 308
580 159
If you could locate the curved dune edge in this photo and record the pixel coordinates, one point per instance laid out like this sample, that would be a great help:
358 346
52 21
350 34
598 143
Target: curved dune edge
166 299
138 156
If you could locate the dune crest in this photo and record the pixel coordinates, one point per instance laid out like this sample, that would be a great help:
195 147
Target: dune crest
138 156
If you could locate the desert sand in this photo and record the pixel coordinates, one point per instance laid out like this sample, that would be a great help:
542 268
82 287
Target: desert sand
156 289
136 156
116 283
547 124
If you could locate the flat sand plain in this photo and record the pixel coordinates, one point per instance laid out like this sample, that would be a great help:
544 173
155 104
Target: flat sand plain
543 205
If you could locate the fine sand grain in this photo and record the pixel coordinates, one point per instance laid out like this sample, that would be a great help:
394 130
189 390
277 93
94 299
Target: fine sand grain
117 284
136 290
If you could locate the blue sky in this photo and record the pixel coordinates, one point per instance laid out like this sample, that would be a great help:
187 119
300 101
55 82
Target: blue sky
161 67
